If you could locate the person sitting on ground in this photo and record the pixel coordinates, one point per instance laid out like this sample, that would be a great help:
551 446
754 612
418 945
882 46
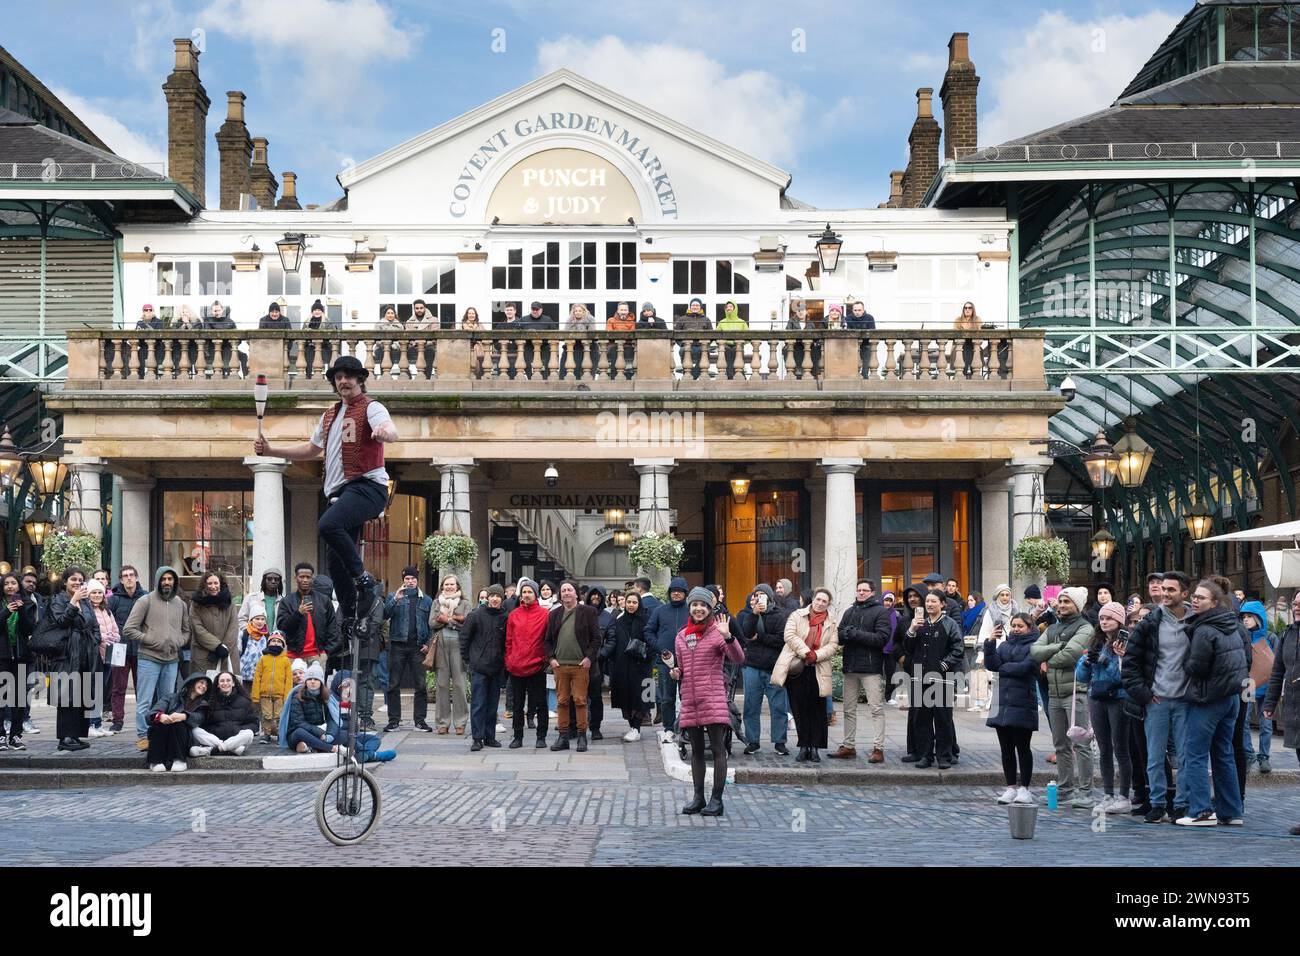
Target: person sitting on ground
273 680
252 644
297 674
230 722
342 697
309 715
172 723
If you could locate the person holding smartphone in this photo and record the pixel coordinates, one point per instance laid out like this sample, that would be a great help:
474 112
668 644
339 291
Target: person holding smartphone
934 650
17 623
760 628
408 610
70 625
1099 668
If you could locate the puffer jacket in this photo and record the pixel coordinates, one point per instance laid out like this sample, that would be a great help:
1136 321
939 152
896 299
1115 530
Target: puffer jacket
1103 678
525 639
215 620
1285 676
796 647
1017 681
667 619
1216 662
762 636
1061 646
307 710
273 677
228 714
703 692
863 631
483 640
159 626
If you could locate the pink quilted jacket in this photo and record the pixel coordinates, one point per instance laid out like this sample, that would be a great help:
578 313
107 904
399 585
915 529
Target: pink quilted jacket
703 697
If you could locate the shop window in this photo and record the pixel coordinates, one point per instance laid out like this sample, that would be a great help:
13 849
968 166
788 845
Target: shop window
582 265
393 540
546 266
961 538
296 296
907 513
620 265
756 542
208 531
402 281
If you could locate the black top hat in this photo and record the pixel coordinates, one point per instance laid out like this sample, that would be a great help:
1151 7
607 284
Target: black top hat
349 364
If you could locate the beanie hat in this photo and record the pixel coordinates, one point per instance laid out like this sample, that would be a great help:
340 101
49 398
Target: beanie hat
527 583
1033 592
317 305
701 594
410 571
496 589
93 585
1078 595
1114 610
273 307
315 672
299 664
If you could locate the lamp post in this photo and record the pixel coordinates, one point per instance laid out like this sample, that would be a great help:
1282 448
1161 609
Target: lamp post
47 475
291 249
1103 544
1101 462
614 517
1135 456
11 462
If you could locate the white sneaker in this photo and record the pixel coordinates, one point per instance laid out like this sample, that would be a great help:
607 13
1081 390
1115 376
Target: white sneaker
158 768
974 709
1119 805
197 751
553 714
97 732
30 728
178 766
1103 805
501 728
1023 797
632 736
1008 795
239 751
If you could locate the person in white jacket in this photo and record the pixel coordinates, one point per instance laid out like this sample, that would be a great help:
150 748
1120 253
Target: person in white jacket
265 599
997 615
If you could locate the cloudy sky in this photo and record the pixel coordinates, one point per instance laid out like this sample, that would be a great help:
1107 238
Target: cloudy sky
827 94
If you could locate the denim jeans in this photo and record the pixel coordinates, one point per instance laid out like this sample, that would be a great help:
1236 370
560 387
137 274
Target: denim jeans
340 528
1166 722
666 698
1208 746
1265 730
485 694
758 684
153 679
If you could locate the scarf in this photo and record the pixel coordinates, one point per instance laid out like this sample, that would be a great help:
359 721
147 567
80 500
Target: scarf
693 631
815 621
969 617
448 604
12 626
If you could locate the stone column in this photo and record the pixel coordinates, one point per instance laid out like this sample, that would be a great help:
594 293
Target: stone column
652 512
84 510
481 530
1028 514
268 514
995 534
840 546
136 519
454 516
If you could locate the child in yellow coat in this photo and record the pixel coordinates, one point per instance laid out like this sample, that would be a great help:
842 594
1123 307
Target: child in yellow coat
272 683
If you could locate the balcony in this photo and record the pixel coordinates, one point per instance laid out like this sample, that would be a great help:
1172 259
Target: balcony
889 363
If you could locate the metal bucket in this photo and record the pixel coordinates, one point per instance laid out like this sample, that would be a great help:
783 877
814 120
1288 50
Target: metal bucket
1023 817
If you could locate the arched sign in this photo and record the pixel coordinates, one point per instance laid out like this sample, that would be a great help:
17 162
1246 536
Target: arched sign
564 186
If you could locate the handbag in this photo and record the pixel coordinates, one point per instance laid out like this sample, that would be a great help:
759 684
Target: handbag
638 649
1079 735
796 667
1261 663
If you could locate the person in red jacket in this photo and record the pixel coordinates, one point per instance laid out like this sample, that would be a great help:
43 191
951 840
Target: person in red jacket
702 646
526 662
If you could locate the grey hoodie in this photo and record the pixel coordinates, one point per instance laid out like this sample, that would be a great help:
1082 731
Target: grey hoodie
160 622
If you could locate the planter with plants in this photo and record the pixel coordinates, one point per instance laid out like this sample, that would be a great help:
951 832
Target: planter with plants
64 549
446 551
1039 557
656 552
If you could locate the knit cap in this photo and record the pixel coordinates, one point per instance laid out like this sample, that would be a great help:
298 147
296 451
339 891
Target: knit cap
315 672
496 589
1078 595
1113 609
701 594
299 665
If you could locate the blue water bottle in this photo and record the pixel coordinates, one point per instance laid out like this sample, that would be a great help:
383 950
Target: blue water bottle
1051 795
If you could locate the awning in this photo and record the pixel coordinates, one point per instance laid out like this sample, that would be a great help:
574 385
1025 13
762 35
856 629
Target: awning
1286 531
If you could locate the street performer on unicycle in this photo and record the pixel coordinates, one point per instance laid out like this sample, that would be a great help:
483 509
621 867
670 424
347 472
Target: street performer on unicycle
352 434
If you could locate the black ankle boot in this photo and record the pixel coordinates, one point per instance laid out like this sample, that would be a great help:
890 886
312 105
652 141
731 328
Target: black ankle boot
714 808
562 743
517 742
582 743
696 805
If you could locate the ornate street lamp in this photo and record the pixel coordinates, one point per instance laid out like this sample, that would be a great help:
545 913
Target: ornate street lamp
11 462
739 485
47 475
614 517
1103 544
1200 520
38 527
1135 456
291 249
828 248
1101 462
622 538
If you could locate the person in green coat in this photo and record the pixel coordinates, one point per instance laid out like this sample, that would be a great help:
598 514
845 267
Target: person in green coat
1057 652
732 321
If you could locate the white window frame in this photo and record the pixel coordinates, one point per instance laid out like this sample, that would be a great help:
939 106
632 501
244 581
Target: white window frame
441 304
601 299
200 303
297 305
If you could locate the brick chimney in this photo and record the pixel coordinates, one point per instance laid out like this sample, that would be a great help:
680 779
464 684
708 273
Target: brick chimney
187 120
236 151
923 146
958 94
289 200
895 189
261 179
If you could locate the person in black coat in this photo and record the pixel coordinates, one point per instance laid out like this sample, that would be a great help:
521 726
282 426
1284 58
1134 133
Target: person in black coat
1016 717
629 663
313 592
483 650
17 624
230 722
864 630
172 723
932 653
760 628
68 635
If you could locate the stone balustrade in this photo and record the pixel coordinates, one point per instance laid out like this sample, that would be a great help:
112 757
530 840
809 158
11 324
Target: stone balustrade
665 361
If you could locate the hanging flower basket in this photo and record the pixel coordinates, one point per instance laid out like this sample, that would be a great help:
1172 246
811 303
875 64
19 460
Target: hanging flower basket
656 551
1042 557
449 551
65 548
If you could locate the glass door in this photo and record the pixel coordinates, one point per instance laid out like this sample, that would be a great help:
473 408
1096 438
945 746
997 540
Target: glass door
905 564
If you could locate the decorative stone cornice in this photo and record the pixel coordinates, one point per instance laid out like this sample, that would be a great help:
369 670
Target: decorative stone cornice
247 261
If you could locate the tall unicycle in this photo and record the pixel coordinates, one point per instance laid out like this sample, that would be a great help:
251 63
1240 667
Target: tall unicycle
348 803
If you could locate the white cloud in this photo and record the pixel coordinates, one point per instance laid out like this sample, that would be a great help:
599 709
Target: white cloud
120 138
1064 69
328 51
754 111
929 63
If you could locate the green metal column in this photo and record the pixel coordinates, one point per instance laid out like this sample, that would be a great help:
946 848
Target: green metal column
115 529
40 336
118 317
1173 264
1092 276
1223 34
1254 314
1013 266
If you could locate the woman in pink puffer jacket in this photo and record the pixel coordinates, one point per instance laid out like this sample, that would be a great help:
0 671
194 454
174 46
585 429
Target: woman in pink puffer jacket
702 645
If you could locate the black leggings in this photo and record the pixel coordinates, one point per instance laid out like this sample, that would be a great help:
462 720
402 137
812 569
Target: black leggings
1014 742
717 740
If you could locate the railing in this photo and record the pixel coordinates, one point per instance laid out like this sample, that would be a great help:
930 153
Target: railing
511 361
1148 350
1104 152
50 171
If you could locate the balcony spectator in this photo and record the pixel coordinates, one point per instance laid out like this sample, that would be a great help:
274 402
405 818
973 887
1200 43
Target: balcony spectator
469 322
649 319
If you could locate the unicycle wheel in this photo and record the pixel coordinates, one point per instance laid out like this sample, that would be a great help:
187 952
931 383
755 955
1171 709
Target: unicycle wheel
348 805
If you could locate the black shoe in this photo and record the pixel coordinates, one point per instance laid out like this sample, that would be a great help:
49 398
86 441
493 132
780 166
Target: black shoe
751 749
517 743
813 755
476 745
491 742
367 725
582 743
944 765
561 744
696 805
16 743
782 749
1158 815
802 755
910 758
391 726
1141 810
681 750
531 723
72 744
541 744
596 734
714 808
925 764
421 725
117 727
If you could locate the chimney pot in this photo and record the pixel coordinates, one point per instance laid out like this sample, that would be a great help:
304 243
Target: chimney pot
235 106
924 104
187 56
959 48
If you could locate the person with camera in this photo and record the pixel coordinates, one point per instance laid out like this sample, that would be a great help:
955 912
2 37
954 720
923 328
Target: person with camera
932 653
1057 652
307 618
17 624
1006 653
702 646
760 628
1099 668
68 635
407 611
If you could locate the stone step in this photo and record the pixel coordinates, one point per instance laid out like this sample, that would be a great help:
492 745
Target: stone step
870 776
42 779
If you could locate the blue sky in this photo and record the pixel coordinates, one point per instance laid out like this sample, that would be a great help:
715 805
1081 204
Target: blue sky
828 94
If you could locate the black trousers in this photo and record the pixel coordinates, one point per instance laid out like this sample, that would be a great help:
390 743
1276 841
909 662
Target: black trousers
528 696
15 714
365 677
808 708
934 725
403 658
340 528
169 743
718 743
1014 742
